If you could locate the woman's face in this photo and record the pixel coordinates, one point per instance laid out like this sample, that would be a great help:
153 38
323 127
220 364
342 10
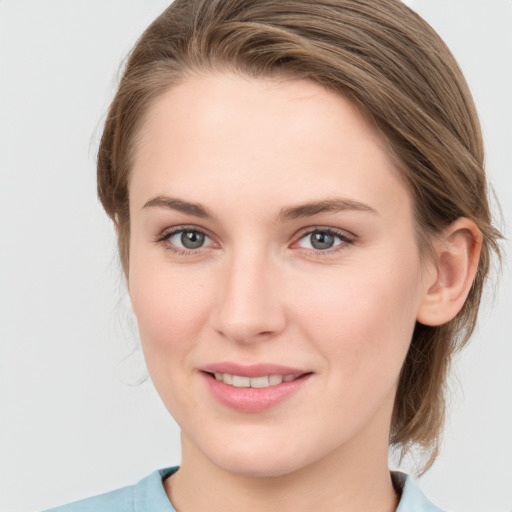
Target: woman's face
272 246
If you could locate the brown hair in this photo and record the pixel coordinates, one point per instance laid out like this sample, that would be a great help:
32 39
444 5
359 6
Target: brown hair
397 70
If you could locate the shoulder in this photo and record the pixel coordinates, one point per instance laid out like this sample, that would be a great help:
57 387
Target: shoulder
120 500
413 499
148 494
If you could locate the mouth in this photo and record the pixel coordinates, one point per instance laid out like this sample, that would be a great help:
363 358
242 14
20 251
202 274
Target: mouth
264 381
253 388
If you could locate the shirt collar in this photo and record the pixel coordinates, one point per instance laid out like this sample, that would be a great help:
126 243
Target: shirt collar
149 494
412 500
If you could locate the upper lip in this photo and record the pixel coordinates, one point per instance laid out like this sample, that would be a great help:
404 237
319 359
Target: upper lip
252 370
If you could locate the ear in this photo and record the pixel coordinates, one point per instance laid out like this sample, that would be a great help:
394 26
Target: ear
451 272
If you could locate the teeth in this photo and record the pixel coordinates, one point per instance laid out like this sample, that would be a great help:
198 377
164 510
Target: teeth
273 380
260 382
241 382
265 381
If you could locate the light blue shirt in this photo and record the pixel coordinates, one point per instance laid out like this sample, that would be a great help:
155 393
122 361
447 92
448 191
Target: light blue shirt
149 496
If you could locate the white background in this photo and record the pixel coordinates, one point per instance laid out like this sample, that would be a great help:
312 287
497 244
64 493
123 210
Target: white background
72 423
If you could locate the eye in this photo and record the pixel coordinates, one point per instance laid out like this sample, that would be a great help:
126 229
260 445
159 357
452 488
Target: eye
186 239
321 240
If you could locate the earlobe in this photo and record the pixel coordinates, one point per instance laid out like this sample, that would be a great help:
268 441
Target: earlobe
455 263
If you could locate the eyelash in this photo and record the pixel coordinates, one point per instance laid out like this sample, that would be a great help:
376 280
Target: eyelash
164 239
344 238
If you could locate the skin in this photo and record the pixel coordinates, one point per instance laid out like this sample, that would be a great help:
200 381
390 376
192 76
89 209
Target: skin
257 290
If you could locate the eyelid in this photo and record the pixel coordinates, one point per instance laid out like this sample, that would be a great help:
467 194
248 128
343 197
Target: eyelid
345 236
164 236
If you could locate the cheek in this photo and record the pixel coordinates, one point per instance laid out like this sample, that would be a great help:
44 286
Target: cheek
362 316
171 308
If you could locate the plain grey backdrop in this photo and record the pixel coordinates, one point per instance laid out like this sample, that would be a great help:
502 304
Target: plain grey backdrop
73 422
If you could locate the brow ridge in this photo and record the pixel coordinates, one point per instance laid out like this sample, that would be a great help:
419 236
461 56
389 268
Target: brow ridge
180 205
324 206
286 214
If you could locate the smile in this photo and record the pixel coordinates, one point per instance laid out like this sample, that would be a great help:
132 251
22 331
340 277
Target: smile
255 387
240 381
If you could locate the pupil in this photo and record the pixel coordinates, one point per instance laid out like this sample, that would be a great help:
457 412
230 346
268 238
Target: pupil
321 240
192 239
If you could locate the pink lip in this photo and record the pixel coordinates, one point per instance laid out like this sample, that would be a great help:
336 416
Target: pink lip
252 399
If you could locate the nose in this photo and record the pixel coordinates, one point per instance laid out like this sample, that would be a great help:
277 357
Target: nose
250 305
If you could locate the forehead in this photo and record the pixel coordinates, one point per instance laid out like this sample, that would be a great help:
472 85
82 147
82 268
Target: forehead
259 137
252 109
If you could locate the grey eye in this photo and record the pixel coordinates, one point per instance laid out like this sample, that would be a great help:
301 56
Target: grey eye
320 240
188 239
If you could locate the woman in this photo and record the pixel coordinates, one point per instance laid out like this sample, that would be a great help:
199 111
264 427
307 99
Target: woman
299 198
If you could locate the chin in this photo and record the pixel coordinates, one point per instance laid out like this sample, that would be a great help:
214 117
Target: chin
255 461
269 468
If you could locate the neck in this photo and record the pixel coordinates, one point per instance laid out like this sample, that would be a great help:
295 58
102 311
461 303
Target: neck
352 482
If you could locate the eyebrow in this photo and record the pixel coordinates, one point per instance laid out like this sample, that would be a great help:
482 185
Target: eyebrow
195 209
286 214
333 205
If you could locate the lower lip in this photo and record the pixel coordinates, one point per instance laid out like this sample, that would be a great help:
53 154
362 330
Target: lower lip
253 399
